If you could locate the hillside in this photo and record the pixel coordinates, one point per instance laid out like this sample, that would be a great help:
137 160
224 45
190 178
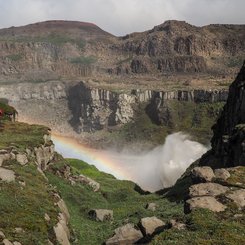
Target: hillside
30 172
171 52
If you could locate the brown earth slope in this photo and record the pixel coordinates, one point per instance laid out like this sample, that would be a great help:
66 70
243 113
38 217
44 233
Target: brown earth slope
173 51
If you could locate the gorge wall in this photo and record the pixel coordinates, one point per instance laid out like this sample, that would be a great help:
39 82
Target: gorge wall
76 107
228 142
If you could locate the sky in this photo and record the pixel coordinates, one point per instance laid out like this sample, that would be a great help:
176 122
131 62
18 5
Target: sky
121 17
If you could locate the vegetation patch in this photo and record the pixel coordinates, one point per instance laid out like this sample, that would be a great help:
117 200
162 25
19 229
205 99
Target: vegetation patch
25 206
21 135
15 57
83 60
205 227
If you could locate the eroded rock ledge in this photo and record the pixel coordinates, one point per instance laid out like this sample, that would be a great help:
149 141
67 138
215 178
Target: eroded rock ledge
68 107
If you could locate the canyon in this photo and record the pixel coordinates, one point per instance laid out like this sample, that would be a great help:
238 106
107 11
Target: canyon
84 82
129 95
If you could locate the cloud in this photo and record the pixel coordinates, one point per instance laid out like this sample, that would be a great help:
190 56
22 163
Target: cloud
121 17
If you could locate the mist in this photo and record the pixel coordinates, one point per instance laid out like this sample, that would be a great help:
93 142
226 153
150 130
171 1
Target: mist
152 170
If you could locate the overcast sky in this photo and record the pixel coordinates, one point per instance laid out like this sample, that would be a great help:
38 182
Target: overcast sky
122 16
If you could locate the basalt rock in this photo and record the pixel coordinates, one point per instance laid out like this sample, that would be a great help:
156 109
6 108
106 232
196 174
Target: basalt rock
228 142
207 202
207 189
101 214
125 235
151 225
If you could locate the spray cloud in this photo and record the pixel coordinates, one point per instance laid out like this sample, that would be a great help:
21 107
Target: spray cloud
152 170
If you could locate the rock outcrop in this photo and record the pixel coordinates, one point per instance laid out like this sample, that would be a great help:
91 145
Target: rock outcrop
229 132
126 234
207 189
101 214
7 175
206 202
77 107
151 225
61 229
202 174
215 195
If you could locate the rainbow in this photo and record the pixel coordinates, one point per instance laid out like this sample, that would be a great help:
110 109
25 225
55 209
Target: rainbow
108 162
103 160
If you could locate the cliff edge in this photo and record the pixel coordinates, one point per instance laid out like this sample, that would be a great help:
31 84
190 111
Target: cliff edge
228 142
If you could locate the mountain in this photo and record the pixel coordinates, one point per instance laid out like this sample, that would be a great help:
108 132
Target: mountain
72 50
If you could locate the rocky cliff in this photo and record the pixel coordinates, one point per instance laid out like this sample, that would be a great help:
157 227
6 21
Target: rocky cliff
63 49
68 106
229 132
178 47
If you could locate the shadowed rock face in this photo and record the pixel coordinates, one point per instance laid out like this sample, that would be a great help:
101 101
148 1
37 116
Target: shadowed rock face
228 142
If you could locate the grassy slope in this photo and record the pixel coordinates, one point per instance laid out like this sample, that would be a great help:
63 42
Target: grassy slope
25 206
203 226
206 228
120 196
21 135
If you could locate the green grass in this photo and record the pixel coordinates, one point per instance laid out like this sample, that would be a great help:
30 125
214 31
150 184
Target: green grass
55 39
84 60
15 57
25 207
206 228
21 135
120 196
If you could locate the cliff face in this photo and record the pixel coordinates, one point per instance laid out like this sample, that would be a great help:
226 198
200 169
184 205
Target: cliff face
176 46
77 107
228 142
63 49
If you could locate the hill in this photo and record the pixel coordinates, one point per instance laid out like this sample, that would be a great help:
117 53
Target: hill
172 51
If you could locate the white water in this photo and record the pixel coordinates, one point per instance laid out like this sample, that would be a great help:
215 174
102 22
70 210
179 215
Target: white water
152 170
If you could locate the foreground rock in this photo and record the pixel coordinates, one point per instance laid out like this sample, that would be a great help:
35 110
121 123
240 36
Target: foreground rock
207 189
152 206
4 155
44 154
177 225
61 231
7 175
238 197
125 235
101 214
207 202
222 174
151 225
202 174
88 181
61 204
21 159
